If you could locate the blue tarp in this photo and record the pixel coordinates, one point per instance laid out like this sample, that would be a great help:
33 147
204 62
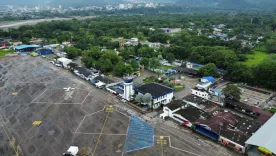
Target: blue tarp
206 132
209 78
140 135
26 46
45 51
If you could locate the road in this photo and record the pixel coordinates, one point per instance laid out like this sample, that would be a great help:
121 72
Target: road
7 25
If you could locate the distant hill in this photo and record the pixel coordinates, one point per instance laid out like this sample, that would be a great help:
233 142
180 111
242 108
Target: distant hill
218 3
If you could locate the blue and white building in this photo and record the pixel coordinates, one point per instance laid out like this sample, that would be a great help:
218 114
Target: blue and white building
161 95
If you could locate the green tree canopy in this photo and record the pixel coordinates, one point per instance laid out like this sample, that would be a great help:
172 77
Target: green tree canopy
139 98
134 64
144 62
232 92
154 63
209 69
72 52
147 98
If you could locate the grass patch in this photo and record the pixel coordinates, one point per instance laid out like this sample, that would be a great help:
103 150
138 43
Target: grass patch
178 88
255 58
3 53
167 67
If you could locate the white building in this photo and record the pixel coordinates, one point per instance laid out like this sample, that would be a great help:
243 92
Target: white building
214 96
161 95
64 61
182 113
128 88
121 6
205 82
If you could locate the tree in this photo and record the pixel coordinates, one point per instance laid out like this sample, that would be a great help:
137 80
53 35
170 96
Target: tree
120 69
147 98
107 65
154 63
144 62
209 69
232 92
139 98
140 36
170 57
134 64
111 55
72 52
264 73
128 69
239 72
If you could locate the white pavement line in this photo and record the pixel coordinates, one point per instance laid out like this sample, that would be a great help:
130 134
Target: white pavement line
67 103
121 112
39 95
86 116
181 149
183 142
86 97
100 133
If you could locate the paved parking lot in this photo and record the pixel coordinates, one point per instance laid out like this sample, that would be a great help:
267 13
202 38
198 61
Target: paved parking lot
31 89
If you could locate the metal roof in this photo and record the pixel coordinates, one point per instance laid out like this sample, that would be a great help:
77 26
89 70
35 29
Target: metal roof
265 136
26 46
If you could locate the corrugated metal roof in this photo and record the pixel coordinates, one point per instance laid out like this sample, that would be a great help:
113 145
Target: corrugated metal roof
265 136
26 46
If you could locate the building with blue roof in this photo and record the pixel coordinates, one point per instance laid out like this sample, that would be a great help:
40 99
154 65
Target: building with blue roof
26 48
208 78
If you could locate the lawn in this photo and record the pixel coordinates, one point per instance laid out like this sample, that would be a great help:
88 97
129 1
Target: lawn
3 53
255 58
167 67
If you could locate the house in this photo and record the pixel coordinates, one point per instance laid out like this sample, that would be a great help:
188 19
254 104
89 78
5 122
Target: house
201 103
188 71
169 109
161 95
182 113
8 39
210 95
206 82
83 73
26 48
257 113
64 61
5 44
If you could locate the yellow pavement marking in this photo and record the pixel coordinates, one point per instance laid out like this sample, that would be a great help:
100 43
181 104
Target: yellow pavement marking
8 137
162 142
37 123
108 110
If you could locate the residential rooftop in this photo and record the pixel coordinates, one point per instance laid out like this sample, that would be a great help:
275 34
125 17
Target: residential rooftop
231 126
192 113
256 112
175 105
156 90
203 104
